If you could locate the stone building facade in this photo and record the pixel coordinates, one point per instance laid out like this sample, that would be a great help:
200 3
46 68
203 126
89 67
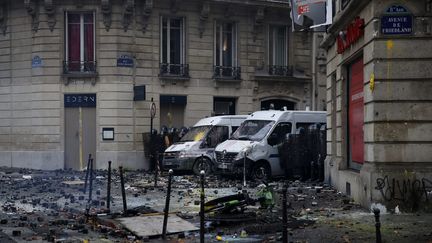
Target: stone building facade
379 85
78 77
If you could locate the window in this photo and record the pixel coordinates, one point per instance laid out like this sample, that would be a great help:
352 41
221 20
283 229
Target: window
225 51
254 130
280 131
278 51
217 135
80 42
224 106
173 47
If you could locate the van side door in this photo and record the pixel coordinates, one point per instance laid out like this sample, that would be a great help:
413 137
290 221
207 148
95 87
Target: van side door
274 141
279 133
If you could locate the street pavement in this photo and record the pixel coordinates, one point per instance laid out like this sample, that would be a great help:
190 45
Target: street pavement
51 206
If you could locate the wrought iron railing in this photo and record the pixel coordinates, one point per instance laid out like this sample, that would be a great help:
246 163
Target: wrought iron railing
275 70
79 67
176 70
223 72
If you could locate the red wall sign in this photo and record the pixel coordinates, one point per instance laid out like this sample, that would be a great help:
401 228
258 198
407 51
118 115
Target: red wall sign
351 35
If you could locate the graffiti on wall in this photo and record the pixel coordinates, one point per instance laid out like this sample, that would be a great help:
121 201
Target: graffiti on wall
404 189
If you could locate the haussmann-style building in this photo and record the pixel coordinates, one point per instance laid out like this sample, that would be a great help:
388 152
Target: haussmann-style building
78 77
379 84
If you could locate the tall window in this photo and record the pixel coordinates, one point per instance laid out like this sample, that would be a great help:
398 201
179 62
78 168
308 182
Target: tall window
80 42
278 50
226 50
173 47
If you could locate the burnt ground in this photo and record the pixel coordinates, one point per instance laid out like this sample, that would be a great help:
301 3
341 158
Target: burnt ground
51 206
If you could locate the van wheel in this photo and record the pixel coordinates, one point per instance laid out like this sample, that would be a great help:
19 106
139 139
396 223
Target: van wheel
261 171
202 164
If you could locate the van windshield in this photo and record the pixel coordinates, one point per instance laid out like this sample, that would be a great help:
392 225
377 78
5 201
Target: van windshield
254 130
195 134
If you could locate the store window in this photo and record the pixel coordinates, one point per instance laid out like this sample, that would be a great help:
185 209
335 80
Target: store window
355 114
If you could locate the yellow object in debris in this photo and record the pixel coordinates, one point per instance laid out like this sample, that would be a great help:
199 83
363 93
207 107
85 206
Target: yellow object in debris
219 238
86 241
243 234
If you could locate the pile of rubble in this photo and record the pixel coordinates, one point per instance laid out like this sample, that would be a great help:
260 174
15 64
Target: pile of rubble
53 206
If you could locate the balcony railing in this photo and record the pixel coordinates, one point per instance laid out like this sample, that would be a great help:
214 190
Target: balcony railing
223 72
174 70
280 70
76 67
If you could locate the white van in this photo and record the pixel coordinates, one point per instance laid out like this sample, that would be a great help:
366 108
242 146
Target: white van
195 149
255 143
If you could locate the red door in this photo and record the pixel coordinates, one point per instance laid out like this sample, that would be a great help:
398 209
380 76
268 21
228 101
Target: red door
356 112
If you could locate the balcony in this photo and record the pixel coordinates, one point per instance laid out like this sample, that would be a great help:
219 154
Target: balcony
281 74
174 71
227 73
285 71
79 69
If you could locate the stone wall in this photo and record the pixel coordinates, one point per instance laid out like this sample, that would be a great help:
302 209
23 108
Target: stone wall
397 122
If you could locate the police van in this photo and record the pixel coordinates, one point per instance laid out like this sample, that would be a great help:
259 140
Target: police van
195 149
254 145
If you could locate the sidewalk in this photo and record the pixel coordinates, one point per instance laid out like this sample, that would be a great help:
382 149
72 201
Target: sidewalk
50 206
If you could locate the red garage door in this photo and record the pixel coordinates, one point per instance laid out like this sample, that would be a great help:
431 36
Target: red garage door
356 113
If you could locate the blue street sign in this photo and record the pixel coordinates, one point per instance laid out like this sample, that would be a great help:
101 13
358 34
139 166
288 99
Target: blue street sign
396 21
125 61
37 62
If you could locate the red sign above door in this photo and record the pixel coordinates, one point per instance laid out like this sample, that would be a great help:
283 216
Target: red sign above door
351 35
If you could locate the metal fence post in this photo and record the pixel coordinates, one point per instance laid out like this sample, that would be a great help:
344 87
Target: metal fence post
123 190
91 181
109 187
284 214
87 174
167 203
202 229
376 211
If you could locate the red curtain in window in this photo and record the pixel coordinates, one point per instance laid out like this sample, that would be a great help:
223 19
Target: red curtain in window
88 42
74 42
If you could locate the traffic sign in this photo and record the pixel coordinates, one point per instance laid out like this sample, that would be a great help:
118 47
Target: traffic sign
153 110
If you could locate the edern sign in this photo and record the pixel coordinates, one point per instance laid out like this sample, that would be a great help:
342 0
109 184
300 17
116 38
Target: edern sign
351 35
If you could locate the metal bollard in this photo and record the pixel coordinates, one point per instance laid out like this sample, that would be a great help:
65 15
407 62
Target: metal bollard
376 211
156 172
284 214
87 174
108 203
202 229
91 181
123 190
167 203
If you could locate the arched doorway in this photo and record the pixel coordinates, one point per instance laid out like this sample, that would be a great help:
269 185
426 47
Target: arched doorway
278 104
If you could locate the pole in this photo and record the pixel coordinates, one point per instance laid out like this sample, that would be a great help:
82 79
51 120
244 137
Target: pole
87 174
167 203
91 181
284 214
123 190
109 187
202 229
376 211
244 169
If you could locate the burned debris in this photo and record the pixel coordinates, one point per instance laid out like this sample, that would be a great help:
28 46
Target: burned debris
60 206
